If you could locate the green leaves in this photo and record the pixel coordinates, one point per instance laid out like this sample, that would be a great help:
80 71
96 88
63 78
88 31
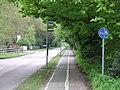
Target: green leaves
30 34
80 21
98 19
118 24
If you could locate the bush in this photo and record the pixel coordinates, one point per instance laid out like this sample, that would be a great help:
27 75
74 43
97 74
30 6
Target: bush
115 69
94 72
24 42
106 83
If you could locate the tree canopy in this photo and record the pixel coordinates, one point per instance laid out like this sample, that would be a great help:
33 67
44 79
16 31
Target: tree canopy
80 21
12 24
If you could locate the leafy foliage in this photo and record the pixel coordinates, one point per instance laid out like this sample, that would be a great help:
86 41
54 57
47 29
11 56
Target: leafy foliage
30 35
12 24
95 77
24 42
80 21
115 69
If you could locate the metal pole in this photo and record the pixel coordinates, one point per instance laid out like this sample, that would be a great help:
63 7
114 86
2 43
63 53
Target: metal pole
47 47
102 57
60 47
60 42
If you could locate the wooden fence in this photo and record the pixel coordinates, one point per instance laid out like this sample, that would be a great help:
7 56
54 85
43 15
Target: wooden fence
8 50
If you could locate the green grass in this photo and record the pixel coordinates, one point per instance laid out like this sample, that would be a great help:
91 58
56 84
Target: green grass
10 55
36 81
95 77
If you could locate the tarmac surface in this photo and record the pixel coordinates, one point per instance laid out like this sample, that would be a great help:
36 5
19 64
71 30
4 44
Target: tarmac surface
67 75
13 71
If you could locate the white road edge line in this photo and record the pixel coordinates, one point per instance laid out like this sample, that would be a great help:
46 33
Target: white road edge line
54 72
67 75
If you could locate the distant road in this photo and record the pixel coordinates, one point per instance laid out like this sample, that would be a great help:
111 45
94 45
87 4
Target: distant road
15 70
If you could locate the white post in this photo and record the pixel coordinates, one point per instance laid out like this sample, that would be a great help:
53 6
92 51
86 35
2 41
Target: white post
102 57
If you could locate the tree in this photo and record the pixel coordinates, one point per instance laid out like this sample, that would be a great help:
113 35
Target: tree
24 42
80 20
12 24
41 37
30 35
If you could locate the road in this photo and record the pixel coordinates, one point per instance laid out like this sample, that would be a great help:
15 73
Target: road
67 75
15 70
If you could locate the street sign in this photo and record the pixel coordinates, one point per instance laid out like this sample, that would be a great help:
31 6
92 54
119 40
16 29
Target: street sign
103 32
50 26
50 30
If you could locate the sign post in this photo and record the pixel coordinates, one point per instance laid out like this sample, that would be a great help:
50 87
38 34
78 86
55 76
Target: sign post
50 28
103 33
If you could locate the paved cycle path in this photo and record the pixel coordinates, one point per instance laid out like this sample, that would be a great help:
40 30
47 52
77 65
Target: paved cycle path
67 75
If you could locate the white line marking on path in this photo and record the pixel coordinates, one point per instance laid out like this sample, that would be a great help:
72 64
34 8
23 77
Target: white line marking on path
54 72
12 64
1 68
67 75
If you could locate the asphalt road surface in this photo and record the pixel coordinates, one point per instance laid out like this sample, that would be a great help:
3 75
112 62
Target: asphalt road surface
67 75
15 70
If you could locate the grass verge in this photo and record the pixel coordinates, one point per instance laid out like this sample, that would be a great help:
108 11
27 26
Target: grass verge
10 55
36 81
95 77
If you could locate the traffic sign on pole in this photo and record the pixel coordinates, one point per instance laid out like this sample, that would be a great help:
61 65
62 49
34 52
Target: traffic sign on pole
103 33
50 27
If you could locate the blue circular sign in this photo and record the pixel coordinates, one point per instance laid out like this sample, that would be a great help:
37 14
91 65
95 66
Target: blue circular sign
103 32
